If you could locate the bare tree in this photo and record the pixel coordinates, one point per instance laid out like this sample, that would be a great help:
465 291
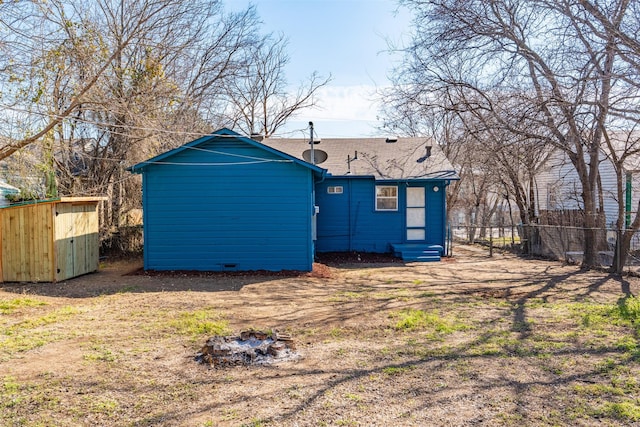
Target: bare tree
616 24
561 71
493 165
52 28
104 84
260 100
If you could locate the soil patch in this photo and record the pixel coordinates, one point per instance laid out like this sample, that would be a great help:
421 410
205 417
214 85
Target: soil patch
340 258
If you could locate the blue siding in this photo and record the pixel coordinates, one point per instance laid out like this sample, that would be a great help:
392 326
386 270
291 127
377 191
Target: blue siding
240 214
333 220
349 221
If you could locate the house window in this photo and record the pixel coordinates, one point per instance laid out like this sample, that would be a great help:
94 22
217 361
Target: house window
335 189
386 198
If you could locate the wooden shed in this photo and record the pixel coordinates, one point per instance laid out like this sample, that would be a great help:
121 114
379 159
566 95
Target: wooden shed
48 241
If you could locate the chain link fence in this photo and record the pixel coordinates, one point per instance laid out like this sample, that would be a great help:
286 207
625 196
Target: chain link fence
550 241
502 237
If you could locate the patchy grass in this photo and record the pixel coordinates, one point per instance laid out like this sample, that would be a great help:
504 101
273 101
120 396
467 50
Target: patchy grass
628 410
53 317
412 319
397 370
100 353
9 306
479 341
200 322
105 406
346 296
626 312
32 332
628 308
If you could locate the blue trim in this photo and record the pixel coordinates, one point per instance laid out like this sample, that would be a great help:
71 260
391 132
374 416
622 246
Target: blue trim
145 220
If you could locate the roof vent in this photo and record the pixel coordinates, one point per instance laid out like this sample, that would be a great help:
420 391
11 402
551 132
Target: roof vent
391 139
426 156
257 137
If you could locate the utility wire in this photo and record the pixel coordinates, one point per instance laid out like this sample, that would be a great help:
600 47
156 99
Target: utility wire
231 154
124 126
216 164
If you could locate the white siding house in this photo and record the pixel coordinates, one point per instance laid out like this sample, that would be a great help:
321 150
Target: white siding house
5 190
558 187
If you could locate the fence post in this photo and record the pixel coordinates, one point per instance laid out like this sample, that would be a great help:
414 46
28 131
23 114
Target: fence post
619 267
490 242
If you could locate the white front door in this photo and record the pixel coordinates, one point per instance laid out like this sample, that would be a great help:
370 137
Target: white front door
416 216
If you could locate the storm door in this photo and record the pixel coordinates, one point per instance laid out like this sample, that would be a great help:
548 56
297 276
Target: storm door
416 215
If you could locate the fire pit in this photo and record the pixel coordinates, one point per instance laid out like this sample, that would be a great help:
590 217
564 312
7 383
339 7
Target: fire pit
249 348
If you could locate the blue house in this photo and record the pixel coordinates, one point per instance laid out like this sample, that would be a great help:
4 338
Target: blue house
229 202
379 195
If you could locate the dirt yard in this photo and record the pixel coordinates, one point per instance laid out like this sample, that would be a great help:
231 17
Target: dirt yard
471 340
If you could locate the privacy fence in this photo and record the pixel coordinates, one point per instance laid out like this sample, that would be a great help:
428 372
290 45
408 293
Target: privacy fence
550 241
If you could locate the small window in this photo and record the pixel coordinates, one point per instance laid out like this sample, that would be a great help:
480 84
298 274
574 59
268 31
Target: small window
335 190
386 198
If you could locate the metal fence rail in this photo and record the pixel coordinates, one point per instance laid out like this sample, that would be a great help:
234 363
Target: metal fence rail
497 237
551 241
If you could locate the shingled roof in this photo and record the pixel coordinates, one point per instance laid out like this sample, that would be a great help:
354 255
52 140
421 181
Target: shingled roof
401 158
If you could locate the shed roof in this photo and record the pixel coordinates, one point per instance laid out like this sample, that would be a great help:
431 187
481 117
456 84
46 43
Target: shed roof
406 158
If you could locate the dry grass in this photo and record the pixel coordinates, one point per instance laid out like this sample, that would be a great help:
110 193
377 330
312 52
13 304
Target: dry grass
477 341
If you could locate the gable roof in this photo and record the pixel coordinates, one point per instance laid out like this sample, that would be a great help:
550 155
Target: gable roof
226 134
406 158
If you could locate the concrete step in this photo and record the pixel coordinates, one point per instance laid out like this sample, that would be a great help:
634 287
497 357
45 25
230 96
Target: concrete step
422 258
415 252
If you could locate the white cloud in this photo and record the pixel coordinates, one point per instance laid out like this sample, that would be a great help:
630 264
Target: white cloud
342 112
347 103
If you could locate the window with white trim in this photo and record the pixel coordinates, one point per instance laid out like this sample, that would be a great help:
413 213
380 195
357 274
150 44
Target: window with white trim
386 198
337 189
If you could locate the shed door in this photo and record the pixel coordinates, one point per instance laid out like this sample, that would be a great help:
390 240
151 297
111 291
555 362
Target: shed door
76 239
416 217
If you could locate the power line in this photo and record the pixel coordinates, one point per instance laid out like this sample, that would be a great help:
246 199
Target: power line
125 126
229 154
216 164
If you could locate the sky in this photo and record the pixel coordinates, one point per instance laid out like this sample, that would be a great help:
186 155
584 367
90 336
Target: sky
346 39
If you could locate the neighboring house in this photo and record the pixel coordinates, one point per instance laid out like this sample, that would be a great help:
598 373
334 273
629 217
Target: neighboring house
228 202
558 188
6 190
